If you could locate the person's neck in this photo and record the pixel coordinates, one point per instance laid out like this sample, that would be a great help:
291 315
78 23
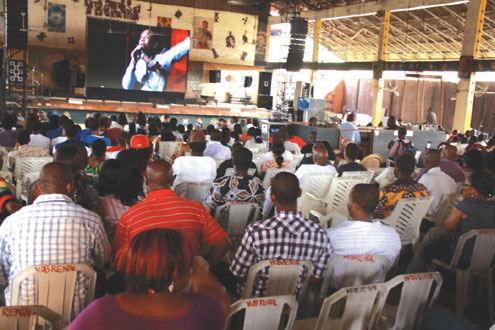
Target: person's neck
401 176
199 154
97 133
243 173
156 188
287 208
365 217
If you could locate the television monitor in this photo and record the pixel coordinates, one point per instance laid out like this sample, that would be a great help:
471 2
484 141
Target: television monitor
136 60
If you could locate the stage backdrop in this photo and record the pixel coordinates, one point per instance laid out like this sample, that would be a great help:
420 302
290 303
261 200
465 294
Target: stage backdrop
228 38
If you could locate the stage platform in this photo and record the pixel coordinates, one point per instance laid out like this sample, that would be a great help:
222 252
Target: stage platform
79 109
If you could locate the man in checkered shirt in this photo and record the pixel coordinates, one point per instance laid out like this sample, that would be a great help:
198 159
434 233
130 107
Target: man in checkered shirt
286 236
52 231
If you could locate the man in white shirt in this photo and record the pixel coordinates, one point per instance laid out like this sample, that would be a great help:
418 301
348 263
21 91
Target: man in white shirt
215 149
362 235
320 159
196 167
36 139
350 131
435 180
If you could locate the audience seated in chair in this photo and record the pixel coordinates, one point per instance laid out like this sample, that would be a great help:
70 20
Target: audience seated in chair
362 235
215 149
351 153
163 209
436 181
222 168
65 233
403 187
240 187
475 211
320 160
196 167
286 236
448 164
159 267
22 149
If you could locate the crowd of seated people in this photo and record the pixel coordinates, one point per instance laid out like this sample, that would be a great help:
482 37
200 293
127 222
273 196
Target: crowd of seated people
107 199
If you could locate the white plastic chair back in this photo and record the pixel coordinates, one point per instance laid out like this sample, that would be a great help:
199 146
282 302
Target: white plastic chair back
406 217
258 161
4 154
297 159
416 296
166 150
376 171
270 174
447 204
283 276
25 165
358 270
265 313
238 216
194 191
317 184
338 194
27 181
55 286
367 175
231 171
481 264
363 305
24 317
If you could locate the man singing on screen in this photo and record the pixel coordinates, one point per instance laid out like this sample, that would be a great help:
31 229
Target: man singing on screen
150 64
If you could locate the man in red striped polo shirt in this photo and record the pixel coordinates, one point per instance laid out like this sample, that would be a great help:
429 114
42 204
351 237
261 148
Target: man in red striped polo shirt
163 209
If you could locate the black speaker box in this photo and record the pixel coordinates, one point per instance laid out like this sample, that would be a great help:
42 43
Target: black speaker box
248 81
215 76
265 84
16 32
298 32
62 73
265 101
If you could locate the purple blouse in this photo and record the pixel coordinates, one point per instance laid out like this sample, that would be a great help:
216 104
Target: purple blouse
206 313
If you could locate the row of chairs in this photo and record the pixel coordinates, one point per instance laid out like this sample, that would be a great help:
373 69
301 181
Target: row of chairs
364 307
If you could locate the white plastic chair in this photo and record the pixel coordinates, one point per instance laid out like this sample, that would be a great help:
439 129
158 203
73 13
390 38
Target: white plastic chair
194 191
406 218
166 150
231 171
27 185
334 201
265 313
55 285
316 184
417 294
367 175
358 270
25 317
297 160
283 276
239 214
376 171
447 204
481 265
26 165
270 174
362 306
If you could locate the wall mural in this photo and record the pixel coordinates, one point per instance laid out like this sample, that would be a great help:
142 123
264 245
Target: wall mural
56 17
203 33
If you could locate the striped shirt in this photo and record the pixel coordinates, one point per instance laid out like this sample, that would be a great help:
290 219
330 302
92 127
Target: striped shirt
163 209
287 236
52 231
111 209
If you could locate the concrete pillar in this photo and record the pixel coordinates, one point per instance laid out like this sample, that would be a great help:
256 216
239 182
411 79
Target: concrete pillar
378 81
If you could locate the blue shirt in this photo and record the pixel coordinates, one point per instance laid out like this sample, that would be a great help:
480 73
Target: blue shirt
70 142
350 131
91 138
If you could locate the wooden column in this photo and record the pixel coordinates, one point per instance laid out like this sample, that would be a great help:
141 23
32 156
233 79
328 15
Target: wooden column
470 49
316 47
378 81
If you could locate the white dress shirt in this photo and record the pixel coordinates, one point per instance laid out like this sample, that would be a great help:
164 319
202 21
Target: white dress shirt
313 168
38 140
292 147
194 169
359 238
217 150
437 183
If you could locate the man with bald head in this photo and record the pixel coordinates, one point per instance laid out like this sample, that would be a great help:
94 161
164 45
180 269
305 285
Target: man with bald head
162 208
448 164
53 230
437 182
320 166
215 149
286 236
